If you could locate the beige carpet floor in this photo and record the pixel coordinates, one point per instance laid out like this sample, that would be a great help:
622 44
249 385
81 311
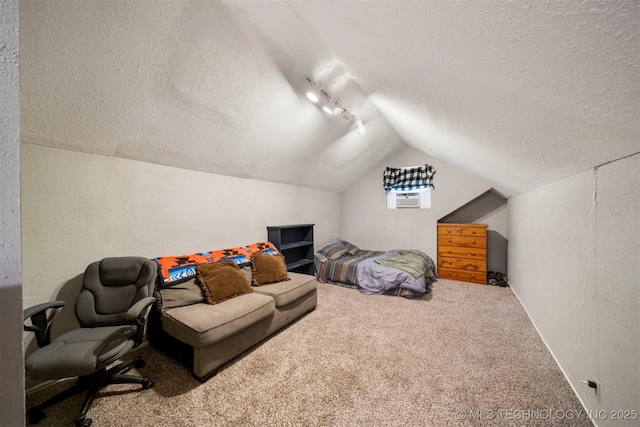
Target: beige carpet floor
463 355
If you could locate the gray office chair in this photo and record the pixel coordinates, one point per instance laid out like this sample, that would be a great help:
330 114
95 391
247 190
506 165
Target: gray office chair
112 310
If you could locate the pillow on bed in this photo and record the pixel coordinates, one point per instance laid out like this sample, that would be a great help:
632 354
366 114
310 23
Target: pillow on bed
351 248
268 269
334 250
221 281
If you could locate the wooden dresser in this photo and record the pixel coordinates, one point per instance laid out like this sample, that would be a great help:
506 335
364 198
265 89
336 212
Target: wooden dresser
462 252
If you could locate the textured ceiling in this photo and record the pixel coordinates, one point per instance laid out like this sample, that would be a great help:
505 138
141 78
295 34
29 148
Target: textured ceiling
519 93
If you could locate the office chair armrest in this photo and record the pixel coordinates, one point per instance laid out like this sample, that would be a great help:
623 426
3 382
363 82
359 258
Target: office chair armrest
139 312
40 322
134 312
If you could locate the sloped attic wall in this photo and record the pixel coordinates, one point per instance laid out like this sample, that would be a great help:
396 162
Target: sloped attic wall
575 268
193 85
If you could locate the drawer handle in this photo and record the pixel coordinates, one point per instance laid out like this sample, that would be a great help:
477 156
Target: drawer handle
473 232
449 231
471 254
473 242
449 240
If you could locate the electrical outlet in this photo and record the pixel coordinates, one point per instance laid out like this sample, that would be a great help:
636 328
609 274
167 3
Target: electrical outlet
595 385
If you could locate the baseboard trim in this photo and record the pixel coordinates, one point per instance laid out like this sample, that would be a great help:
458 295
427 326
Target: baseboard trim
553 355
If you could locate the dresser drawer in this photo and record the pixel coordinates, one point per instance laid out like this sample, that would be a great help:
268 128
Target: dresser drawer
466 241
462 252
473 231
463 263
452 231
465 276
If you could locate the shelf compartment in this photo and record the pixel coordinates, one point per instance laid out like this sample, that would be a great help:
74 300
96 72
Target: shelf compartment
295 242
300 263
293 245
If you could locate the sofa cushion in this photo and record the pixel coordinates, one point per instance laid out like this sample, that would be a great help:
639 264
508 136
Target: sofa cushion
221 281
201 325
185 293
289 291
268 269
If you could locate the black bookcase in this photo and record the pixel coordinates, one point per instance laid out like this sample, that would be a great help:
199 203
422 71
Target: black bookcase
295 242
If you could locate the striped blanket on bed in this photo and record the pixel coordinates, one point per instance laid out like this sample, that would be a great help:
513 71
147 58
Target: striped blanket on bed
341 271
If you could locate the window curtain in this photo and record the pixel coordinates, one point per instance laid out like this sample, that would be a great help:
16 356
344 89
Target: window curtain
407 179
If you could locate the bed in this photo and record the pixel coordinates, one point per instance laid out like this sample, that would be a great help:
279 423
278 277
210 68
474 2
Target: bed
407 273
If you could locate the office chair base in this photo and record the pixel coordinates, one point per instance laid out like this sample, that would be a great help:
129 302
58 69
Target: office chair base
93 383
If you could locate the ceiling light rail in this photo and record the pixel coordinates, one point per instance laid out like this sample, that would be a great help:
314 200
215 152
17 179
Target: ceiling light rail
331 104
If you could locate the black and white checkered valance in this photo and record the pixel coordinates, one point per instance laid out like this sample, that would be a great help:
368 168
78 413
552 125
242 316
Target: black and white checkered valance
407 179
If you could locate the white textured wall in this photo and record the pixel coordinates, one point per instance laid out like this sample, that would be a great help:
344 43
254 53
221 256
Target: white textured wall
11 360
79 208
576 270
368 223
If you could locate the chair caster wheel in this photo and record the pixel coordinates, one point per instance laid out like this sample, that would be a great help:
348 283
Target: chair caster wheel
35 416
84 422
140 363
147 384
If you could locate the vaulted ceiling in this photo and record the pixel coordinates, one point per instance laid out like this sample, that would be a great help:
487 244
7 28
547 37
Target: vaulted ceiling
519 93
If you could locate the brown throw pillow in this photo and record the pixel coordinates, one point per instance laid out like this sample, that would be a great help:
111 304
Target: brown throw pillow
268 269
221 281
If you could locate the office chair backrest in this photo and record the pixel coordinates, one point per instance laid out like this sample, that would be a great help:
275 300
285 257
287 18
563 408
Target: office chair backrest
111 287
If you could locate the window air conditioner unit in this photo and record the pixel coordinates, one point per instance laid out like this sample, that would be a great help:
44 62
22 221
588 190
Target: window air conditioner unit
412 199
407 200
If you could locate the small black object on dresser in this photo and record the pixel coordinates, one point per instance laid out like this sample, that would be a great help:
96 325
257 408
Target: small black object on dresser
295 242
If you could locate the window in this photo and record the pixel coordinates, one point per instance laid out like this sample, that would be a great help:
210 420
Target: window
409 187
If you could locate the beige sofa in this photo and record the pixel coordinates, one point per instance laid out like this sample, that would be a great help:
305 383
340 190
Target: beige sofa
205 336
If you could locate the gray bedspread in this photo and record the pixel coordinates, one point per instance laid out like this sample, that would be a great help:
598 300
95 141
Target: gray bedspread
376 278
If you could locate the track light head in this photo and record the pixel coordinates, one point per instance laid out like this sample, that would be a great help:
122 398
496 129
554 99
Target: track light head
329 107
314 92
351 118
361 127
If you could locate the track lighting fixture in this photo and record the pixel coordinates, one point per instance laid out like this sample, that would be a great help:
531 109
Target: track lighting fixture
331 104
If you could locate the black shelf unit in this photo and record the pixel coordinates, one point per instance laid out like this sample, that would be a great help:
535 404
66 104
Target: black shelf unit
295 242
